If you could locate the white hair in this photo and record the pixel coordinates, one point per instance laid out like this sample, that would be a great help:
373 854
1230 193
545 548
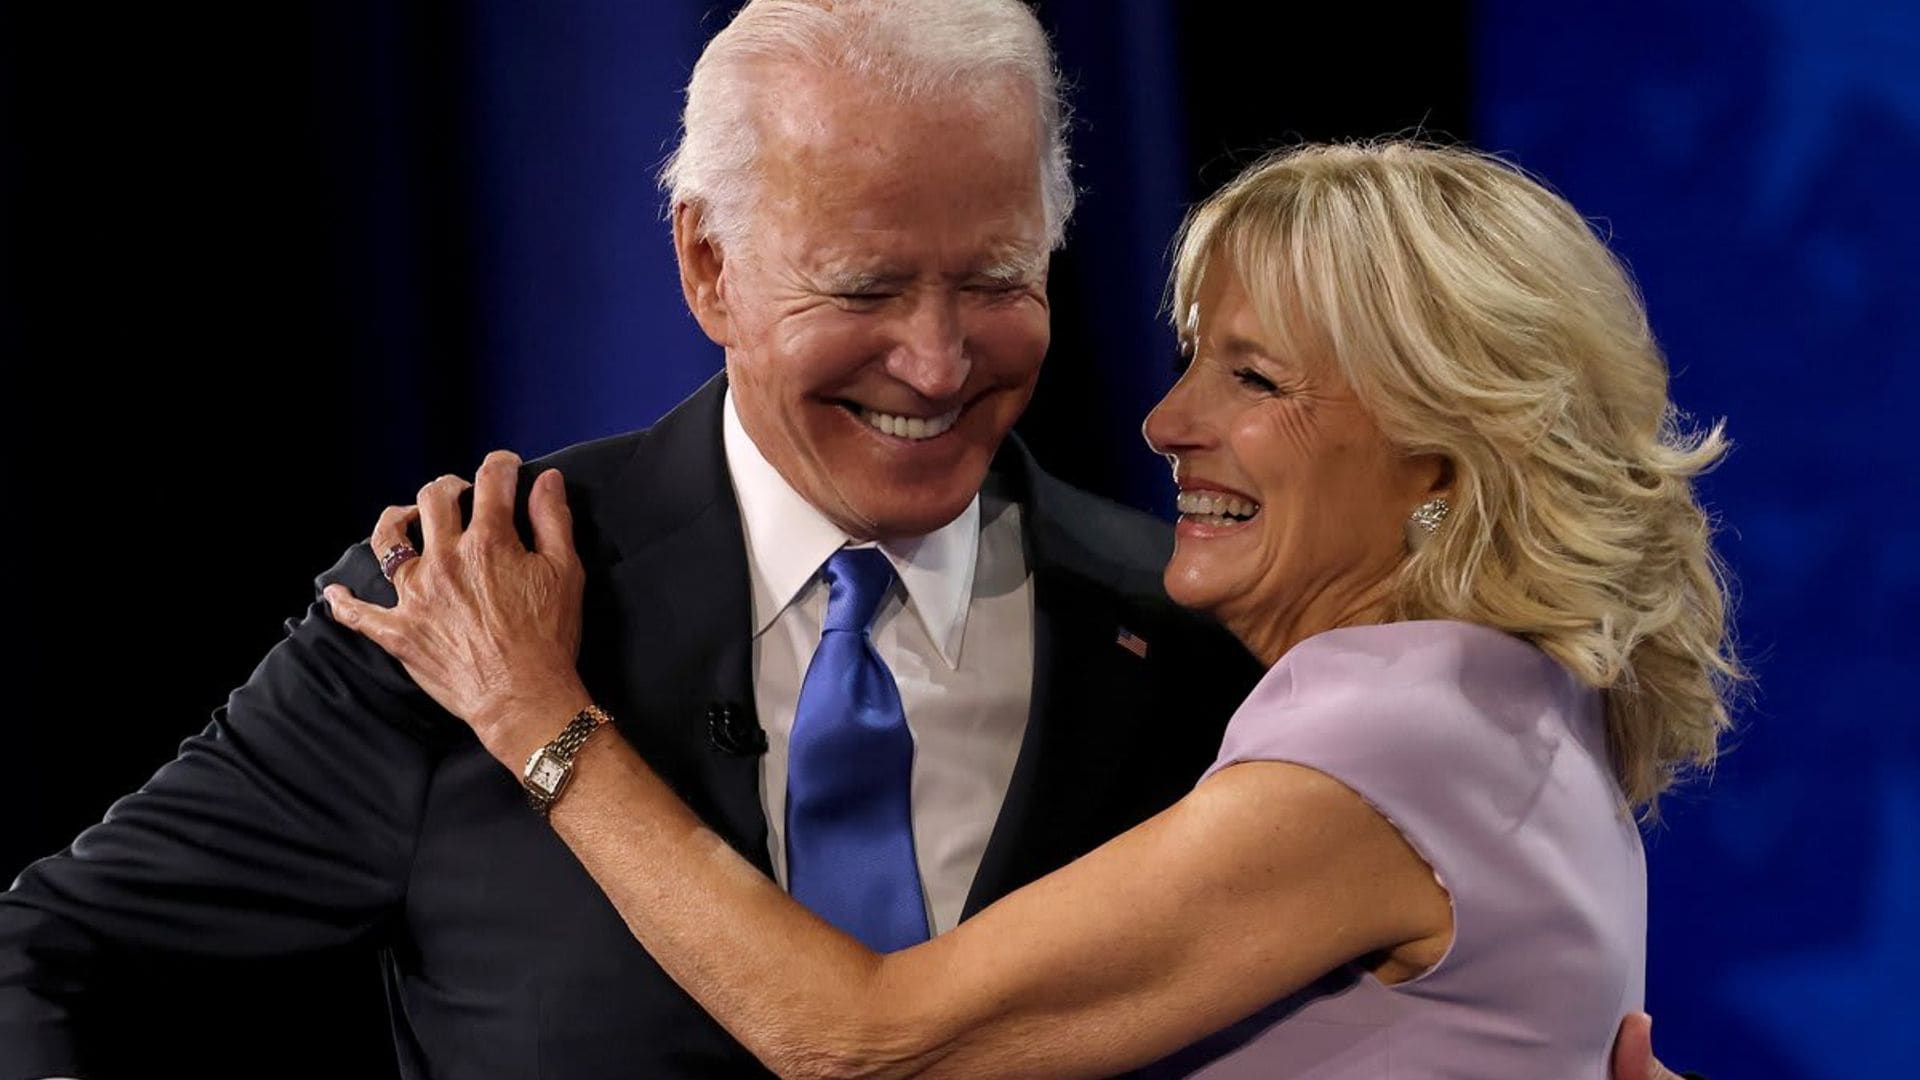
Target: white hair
909 49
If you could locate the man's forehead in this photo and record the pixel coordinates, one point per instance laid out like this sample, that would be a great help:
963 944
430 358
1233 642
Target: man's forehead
811 121
850 179
879 250
808 101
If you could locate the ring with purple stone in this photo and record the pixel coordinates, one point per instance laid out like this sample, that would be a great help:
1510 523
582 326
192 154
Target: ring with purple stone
397 554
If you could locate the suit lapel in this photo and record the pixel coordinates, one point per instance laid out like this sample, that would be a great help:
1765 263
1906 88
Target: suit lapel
1085 687
668 647
670 633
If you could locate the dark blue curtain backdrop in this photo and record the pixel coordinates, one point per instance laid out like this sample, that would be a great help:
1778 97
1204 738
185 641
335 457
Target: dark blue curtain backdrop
266 268
1756 164
579 328
577 322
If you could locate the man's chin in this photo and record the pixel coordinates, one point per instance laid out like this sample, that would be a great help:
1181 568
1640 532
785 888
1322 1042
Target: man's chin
879 515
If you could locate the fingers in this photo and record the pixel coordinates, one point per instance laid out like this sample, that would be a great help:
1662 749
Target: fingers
440 513
391 531
380 625
494 487
1633 1050
552 518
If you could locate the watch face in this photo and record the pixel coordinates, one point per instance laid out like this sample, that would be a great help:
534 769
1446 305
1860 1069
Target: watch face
546 773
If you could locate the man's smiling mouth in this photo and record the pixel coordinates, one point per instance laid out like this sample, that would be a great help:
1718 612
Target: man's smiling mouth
913 428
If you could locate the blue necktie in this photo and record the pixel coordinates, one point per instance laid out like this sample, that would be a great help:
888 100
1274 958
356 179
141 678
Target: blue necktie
849 773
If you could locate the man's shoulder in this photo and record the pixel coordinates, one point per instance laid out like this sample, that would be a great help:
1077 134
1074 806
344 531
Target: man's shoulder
649 478
682 448
600 476
595 463
1120 554
1097 529
1114 548
1076 530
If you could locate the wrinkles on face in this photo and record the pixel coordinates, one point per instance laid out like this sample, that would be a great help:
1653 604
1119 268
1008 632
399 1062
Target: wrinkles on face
772 312
1001 272
1318 561
895 265
1288 433
1291 421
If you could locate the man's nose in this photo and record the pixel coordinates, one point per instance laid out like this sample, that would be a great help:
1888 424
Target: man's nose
931 354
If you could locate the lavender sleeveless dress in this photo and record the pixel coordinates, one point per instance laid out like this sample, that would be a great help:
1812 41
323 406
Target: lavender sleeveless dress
1490 758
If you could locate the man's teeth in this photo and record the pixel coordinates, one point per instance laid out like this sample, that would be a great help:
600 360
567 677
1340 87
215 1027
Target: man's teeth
1218 507
910 427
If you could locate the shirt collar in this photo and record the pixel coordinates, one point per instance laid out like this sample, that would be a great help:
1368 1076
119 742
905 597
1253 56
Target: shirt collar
788 540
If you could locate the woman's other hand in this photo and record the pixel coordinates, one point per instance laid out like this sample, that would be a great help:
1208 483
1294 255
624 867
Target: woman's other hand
1633 1051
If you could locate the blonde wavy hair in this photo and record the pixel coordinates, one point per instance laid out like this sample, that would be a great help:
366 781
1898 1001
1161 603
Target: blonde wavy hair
1478 317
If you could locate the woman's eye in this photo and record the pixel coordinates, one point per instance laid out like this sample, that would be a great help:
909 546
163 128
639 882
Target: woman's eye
1253 380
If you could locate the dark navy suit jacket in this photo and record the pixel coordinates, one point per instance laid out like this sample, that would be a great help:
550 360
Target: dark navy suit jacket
332 804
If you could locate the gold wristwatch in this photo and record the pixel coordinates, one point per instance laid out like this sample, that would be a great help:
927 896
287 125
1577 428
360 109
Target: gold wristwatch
551 766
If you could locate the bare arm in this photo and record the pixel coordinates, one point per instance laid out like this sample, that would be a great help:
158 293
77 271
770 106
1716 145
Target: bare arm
1259 882
1265 877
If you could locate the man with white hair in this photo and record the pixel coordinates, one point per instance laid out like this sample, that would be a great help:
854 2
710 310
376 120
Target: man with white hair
864 204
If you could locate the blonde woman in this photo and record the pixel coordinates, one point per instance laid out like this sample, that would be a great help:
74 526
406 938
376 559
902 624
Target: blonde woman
1429 473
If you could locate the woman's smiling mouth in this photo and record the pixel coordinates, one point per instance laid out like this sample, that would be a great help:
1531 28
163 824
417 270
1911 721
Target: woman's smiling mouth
1214 508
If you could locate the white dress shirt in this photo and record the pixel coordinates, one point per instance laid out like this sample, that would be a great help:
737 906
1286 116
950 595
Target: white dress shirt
960 645
958 639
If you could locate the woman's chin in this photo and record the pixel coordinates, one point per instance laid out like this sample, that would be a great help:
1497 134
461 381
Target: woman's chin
1193 588
1222 599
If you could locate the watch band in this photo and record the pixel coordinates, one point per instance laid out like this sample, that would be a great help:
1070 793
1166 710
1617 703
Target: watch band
575 734
551 766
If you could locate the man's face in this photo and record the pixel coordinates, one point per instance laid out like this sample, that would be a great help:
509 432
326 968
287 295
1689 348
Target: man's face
886 314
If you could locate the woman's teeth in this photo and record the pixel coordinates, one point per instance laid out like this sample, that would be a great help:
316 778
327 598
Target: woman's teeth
1215 508
909 427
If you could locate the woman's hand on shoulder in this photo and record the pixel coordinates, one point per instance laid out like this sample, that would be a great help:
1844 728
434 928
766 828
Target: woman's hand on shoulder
487 627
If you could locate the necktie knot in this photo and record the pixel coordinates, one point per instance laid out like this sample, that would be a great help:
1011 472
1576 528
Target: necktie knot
857 580
850 850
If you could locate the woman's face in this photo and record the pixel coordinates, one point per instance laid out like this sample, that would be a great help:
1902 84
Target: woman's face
1292 504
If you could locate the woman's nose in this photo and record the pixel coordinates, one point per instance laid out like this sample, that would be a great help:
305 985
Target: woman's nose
1171 427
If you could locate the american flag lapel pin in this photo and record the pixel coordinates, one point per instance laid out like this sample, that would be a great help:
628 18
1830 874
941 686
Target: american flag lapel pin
1132 642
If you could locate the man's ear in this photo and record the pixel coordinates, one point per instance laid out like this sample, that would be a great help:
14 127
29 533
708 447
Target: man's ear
702 269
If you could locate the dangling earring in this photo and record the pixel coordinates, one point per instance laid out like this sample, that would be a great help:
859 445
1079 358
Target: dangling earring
1425 521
